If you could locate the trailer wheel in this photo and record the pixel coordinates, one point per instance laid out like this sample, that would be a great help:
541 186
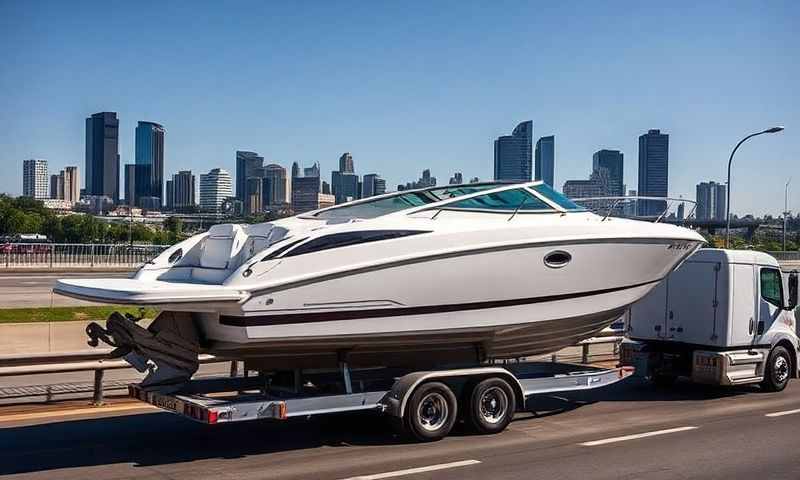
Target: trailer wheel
431 412
491 406
778 371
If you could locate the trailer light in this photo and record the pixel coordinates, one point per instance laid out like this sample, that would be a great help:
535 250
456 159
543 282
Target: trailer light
212 416
282 411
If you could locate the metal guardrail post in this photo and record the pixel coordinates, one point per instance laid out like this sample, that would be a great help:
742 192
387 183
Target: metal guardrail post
92 256
97 399
585 353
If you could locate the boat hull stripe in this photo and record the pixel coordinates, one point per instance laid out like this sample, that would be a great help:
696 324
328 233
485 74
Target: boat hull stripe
312 317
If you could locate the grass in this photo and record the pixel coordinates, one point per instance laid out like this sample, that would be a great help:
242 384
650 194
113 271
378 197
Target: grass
66 314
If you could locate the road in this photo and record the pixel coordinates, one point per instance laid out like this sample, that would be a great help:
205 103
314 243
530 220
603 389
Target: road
627 431
35 289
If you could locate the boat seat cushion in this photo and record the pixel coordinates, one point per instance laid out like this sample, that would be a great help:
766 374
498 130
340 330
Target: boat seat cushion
222 246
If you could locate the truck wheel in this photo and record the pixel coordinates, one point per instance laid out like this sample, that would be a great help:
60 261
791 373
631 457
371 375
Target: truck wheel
431 412
778 370
491 406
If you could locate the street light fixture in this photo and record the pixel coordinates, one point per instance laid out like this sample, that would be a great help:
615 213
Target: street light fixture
730 160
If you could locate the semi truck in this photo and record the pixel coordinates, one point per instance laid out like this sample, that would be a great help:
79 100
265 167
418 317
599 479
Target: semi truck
724 317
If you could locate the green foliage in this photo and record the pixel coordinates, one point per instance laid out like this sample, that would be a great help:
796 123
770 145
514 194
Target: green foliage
24 215
65 314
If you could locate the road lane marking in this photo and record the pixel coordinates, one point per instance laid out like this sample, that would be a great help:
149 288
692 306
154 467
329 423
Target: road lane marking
412 471
635 436
15 417
785 412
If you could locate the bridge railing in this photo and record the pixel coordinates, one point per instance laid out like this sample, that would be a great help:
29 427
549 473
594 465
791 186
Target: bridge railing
53 255
786 256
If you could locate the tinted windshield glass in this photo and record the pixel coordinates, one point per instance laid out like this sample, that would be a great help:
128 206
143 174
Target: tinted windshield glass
384 206
506 200
557 198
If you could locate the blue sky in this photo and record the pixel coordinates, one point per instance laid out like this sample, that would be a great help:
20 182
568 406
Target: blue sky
406 86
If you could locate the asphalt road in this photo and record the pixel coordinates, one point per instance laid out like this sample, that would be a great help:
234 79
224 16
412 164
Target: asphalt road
627 431
35 289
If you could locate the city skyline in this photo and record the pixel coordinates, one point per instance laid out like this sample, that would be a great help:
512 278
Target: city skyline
456 95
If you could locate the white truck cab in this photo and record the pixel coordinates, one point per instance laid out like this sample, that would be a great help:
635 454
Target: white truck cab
724 317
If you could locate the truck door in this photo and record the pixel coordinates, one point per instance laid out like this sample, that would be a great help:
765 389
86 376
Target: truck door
770 303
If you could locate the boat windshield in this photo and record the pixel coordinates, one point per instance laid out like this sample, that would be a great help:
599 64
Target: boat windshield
401 201
559 199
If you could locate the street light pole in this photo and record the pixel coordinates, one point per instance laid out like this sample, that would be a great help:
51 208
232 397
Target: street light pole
785 210
728 193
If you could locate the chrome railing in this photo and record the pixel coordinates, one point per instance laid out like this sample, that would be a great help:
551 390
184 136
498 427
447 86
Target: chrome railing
52 255
626 206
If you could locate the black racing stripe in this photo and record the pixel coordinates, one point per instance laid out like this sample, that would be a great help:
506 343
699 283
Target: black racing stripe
288 319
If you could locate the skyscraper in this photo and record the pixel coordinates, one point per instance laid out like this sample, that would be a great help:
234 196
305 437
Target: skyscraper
215 188
512 154
457 179
254 202
129 184
346 163
344 186
182 191
248 164
57 186
711 201
653 171
312 171
295 170
149 181
611 160
102 155
373 185
305 194
277 180
545 159
71 184
34 179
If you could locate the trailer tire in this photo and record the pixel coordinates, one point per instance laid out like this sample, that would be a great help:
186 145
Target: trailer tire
778 370
664 381
491 406
431 412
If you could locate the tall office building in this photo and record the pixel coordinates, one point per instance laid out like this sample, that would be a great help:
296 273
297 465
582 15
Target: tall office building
346 163
711 201
248 164
653 171
512 154
57 186
611 160
277 179
305 194
344 186
129 184
102 155
295 170
215 187
373 185
598 185
182 198
254 202
457 179
312 171
34 179
545 159
149 180
71 184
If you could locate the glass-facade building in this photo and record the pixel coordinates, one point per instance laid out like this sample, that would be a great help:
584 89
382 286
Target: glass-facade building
653 171
545 159
248 165
611 160
102 155
513 159
149 179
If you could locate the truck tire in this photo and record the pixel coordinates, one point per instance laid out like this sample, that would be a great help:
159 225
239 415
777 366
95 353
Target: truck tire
778 370
664 381
431 412
491 406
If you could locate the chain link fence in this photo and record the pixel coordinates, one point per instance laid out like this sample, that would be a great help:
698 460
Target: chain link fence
56 255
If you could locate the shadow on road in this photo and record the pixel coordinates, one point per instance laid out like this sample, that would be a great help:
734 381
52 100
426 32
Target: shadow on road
163 438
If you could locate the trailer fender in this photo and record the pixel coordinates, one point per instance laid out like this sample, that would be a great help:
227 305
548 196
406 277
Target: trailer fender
397 398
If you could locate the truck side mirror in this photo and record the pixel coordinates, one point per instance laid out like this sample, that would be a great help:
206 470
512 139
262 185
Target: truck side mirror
792 291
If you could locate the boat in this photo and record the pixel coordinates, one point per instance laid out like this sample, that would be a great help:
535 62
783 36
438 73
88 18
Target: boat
440 275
